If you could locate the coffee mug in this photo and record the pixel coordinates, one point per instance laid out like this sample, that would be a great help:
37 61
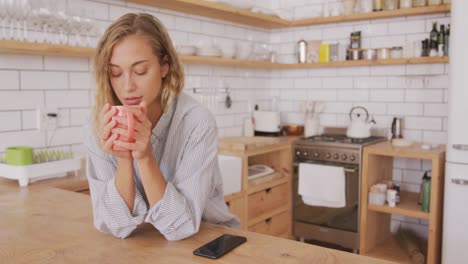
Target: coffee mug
122 111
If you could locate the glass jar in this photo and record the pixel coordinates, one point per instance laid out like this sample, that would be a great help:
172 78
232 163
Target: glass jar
434 2
396 52
390 4
365 6
406 3
418 3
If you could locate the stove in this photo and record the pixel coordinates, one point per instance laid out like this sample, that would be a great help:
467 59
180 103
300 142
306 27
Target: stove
324 225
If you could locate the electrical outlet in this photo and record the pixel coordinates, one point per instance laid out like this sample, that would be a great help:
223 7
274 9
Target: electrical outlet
47 118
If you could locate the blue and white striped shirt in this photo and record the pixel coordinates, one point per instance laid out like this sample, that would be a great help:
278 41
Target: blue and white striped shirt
185 144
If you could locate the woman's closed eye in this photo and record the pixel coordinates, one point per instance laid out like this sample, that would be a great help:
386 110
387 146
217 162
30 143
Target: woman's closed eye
140 72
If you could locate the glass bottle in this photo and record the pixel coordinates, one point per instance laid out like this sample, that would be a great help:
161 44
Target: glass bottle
433 35
446 39
441 41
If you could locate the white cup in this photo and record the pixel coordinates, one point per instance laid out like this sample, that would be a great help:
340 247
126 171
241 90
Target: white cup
391 198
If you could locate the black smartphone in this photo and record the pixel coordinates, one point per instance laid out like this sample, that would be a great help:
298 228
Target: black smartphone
219 246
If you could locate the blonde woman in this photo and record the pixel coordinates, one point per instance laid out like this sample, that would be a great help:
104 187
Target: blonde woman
169 176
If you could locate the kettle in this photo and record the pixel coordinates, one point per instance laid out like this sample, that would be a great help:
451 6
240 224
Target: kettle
359 126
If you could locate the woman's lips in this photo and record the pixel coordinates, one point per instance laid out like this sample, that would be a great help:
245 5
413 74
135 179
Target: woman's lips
133 100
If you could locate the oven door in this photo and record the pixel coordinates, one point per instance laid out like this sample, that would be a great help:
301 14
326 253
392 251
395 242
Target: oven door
345 218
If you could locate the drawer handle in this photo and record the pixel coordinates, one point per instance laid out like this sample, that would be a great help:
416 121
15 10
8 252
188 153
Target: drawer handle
268 190
268 220
228 204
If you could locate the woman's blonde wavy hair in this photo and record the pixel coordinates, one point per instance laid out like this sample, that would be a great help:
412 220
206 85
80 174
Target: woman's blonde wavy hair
156 33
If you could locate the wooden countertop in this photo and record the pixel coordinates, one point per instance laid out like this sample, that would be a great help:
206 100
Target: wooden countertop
48 225
253 145
414 151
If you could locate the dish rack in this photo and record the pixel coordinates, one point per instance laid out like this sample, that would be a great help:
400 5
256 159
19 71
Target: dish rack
40 171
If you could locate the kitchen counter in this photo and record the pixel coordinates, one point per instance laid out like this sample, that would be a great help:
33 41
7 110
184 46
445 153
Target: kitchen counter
49 225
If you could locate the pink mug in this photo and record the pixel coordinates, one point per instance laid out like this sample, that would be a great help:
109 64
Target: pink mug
122 111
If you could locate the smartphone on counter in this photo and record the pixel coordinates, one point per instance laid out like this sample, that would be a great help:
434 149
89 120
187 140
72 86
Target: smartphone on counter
219 246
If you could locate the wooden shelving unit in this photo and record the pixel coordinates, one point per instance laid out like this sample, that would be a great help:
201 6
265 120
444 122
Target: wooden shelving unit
267 201
377 166
246 17
61 50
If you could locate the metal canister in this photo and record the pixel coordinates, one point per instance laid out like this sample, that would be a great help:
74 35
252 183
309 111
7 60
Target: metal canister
302 51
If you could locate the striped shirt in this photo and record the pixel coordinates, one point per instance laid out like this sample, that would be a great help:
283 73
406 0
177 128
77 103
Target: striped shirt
184 143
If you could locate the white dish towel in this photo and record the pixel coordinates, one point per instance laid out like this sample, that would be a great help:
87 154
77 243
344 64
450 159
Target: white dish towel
321 185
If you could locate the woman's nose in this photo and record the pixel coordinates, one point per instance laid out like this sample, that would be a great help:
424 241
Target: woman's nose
129 83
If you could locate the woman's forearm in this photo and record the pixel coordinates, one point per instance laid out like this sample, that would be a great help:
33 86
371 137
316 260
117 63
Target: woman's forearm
124 181
152 179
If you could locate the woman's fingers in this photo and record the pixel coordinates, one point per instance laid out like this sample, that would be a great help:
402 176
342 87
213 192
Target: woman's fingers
107 129
109 143
126 145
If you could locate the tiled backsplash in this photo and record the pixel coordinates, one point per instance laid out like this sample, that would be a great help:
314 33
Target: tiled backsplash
416 92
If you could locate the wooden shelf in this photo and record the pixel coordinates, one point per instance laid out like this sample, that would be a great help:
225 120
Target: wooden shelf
416 11
246 17
408 207
218 11
8 46
61 50
390 250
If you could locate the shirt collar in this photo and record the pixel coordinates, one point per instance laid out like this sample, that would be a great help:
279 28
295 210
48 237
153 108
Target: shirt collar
160 130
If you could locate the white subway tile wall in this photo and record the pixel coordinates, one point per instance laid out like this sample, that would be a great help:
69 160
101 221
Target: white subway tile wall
416 92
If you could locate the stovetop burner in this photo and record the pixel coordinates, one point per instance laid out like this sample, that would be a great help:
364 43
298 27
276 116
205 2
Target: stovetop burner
332 138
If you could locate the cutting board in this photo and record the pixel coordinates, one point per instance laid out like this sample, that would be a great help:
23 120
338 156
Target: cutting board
248 143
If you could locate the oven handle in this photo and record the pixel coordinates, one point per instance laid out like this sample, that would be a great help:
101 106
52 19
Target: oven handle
296 164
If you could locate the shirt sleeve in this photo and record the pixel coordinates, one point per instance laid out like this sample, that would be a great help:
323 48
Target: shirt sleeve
179 213
111 213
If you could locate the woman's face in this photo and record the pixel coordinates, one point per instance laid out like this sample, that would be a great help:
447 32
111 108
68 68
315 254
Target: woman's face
135 72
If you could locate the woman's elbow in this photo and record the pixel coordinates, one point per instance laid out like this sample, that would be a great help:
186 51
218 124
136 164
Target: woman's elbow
119 232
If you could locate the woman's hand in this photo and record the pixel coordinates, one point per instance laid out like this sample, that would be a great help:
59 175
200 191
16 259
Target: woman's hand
106 124
141 148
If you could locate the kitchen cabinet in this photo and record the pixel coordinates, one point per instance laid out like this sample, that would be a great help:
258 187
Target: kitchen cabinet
267 201
246 17
16 47
376 239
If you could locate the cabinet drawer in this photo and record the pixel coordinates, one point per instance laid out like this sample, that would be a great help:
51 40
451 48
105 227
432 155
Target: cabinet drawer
268 200
236 207
278 225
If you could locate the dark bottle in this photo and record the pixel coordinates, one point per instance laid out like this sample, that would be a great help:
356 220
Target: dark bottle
434 34
425 48
441 41
446 41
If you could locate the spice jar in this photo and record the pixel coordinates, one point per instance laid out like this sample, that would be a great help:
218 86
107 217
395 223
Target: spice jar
390 4
418 3
383 53
396 52
406 3
434 2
